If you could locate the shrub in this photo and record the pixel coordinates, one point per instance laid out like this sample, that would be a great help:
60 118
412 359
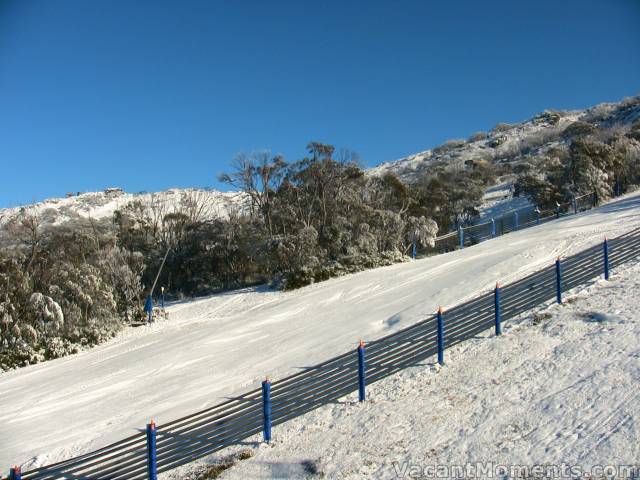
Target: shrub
495 142
598 113
522 168
548 117
448 146
578 130
478 136
501 127
634 132
20 355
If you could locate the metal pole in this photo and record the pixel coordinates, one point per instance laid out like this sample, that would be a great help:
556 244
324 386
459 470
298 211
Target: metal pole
606 258
440 337
558 281
361 372
266 410
152 465
497 309
159 270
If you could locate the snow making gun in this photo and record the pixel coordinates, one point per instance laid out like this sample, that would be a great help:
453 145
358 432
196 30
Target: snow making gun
148 306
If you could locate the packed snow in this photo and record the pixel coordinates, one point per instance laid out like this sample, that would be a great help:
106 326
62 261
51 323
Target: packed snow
225 344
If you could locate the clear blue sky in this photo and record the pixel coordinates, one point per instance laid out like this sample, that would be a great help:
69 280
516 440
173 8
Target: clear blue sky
148 95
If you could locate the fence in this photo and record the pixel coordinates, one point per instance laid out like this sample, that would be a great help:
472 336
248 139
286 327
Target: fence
510 221
181 441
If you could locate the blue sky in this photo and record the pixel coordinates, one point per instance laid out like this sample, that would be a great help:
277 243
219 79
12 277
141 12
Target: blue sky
148 95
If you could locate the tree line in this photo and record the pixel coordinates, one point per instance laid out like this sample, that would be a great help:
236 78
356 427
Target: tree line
603 161
68 286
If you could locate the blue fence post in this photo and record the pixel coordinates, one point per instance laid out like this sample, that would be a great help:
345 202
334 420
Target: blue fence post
497 309
537 212
461 236
558 281
361 372
152 466
148 307
575 205
440 337
516 219
558 211
15 473
413 250
162 297
493 228
606 258
266 410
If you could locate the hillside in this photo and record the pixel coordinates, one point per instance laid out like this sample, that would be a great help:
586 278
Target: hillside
102 205
505 144
214 347
510 144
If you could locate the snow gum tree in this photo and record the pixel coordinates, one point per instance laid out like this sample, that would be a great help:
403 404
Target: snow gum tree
321 216
67 287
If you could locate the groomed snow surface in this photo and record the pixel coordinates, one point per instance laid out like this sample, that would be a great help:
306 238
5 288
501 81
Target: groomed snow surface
559 388
212 348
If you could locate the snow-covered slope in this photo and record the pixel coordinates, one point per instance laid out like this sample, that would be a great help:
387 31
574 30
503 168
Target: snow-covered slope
100 205
498 142
507 143
221 345
556 389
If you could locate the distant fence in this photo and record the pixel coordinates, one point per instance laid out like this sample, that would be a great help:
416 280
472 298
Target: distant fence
181 441
510 221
